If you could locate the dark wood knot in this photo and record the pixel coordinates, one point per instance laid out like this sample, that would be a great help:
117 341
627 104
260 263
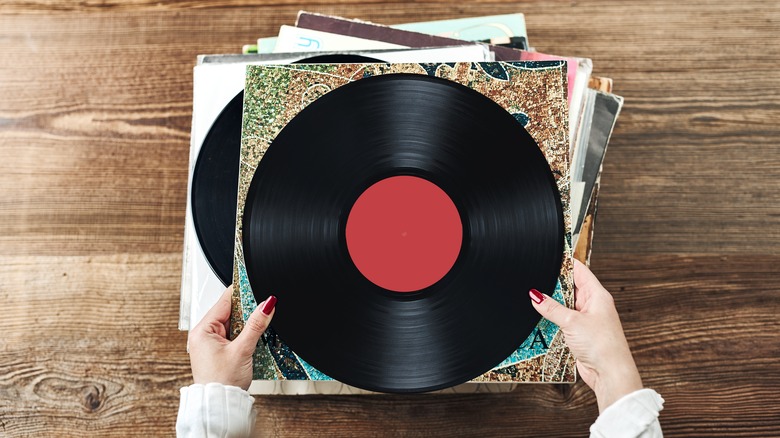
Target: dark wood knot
92 397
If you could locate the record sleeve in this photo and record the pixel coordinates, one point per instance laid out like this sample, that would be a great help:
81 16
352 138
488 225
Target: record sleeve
578 69
532 92
468 28
407 38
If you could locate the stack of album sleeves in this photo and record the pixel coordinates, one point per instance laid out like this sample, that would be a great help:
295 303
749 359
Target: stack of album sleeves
399 189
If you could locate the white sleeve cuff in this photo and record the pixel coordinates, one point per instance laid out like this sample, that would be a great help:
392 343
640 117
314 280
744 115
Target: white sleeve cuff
634 415
214 410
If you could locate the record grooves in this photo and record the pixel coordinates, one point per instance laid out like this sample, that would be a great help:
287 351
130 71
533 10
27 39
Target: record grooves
215 178
215 191
302 192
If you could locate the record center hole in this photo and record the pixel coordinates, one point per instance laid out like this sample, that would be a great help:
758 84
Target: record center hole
404 233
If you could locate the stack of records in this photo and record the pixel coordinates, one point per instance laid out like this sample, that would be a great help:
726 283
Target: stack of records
399 189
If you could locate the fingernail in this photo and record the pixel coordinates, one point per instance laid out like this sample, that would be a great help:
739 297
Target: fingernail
268 307
536 296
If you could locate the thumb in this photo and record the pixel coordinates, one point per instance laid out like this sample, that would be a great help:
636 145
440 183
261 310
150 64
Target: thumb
583 277
255 326
551 309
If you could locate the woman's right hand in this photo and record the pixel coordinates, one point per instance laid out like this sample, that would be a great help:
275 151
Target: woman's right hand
593 333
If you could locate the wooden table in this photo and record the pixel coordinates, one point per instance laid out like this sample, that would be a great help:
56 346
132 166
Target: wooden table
95 110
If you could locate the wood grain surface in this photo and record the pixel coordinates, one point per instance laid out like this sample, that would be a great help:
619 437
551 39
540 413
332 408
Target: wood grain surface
95 111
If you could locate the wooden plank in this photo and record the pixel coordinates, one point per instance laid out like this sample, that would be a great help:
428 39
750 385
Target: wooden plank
90 345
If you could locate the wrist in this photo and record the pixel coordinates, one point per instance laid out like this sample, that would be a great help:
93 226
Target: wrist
620 382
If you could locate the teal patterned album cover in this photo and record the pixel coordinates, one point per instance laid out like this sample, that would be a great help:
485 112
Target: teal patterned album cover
534 92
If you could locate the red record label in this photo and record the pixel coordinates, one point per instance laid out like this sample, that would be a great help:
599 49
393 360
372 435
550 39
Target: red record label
404 233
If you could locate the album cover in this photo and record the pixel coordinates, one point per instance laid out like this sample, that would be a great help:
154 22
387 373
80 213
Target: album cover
406 38
586 195
533 92
296 39
600 84
325 27
464 53
605 110
584 242
484 29
578 198
469 29
377 32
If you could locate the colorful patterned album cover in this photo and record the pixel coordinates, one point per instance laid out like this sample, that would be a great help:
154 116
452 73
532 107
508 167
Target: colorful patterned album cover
534 92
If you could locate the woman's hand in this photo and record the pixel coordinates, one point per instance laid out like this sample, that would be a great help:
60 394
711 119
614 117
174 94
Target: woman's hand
595 337
216 359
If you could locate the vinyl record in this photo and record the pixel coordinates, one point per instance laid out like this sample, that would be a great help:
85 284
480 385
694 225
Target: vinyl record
350 152
215 178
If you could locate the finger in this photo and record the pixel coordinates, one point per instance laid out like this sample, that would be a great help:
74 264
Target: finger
583 278
551 309
255 326
220 311
586 286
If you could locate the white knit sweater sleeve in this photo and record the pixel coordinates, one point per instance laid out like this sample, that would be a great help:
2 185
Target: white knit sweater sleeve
635 416
214 410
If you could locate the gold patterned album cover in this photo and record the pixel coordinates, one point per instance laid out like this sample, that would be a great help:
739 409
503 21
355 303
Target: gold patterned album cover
534 92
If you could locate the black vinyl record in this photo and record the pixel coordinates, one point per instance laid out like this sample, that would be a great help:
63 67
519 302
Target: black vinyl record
215 178
305 186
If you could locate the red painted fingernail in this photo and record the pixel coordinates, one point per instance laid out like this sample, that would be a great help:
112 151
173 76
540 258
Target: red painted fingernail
536 296
268 307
